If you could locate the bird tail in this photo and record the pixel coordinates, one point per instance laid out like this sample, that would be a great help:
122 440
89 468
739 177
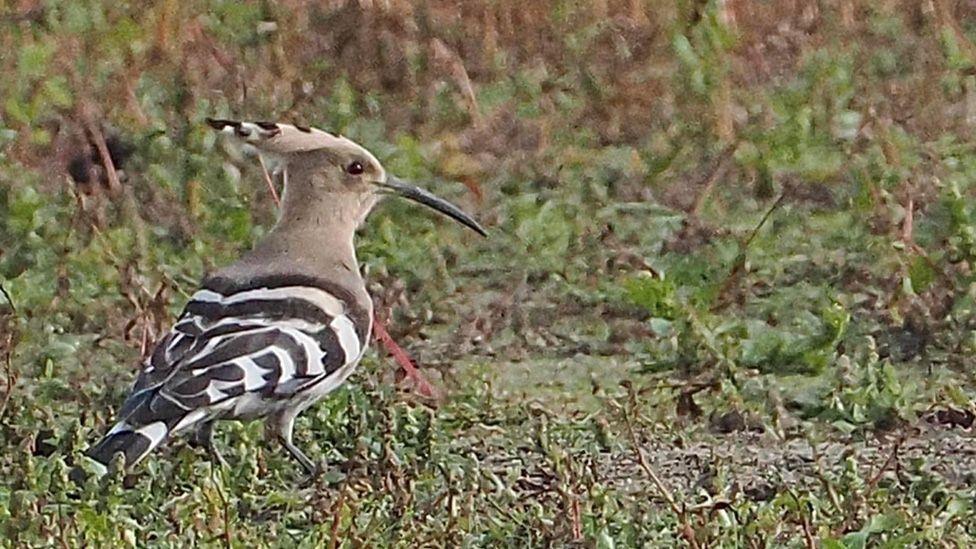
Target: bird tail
134 442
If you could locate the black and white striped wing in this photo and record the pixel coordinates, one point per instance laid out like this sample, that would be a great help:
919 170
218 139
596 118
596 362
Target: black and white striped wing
240 351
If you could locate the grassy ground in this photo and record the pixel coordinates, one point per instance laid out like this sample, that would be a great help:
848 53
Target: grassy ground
727 300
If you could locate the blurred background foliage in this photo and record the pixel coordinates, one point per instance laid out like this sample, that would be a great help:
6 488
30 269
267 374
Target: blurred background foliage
757 214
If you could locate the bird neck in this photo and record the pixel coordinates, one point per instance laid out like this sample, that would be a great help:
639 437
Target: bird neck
317 227
306 241
313 244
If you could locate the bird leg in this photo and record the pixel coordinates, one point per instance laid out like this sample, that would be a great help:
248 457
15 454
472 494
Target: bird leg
299 455
204 439
280 427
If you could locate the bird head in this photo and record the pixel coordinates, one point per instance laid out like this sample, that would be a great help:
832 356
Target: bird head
330 176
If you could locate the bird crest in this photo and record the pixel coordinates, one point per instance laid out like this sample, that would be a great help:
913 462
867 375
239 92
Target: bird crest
287 139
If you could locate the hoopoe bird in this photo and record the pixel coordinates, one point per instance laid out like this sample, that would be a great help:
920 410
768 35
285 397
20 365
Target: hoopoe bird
274 332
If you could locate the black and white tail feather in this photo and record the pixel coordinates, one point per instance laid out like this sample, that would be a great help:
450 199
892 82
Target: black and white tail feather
266 348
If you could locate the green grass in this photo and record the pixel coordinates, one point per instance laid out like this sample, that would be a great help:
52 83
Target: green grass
702 317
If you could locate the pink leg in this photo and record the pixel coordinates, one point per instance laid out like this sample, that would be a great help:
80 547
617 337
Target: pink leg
400 356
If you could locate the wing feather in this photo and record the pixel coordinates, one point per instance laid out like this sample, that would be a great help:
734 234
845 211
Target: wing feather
274 342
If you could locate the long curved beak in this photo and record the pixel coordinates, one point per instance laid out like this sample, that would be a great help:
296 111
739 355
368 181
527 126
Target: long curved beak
402 188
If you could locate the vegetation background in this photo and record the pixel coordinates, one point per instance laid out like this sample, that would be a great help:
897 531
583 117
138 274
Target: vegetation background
728 298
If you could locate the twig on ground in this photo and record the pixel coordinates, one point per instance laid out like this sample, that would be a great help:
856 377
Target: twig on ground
269 182
337 515
908 226
572 502
454 65
892 457
8 298
577 521
646 466
400 356
858 499
808 538
511 516
451 505
227 536
129 206
9 373
62 536
736 271
821 476
709 185
663 491
97 139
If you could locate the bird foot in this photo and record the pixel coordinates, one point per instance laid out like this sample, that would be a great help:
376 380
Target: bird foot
311 477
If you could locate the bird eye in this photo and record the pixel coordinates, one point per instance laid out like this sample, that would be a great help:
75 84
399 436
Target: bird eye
355 168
